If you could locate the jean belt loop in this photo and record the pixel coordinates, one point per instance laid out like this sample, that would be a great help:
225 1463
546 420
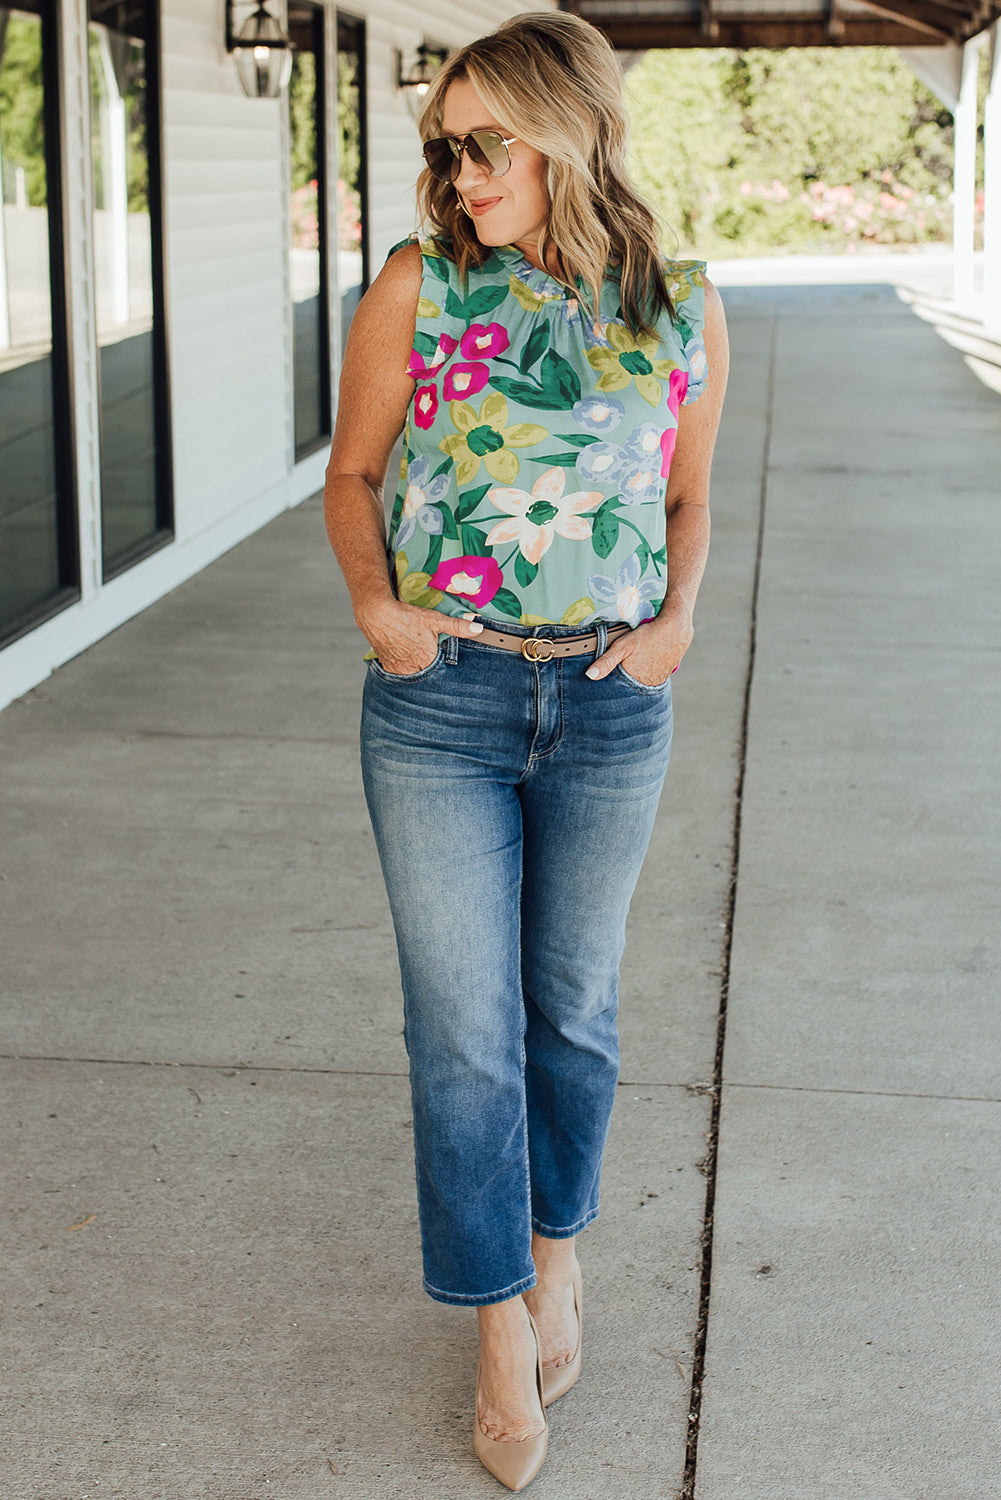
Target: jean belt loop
602 646
451 650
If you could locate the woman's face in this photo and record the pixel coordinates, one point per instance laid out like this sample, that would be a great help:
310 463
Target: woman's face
508 210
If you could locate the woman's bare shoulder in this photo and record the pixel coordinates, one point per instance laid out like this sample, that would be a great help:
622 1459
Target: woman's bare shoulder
400 278
387 313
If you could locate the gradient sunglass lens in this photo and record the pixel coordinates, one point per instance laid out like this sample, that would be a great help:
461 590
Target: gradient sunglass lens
486 147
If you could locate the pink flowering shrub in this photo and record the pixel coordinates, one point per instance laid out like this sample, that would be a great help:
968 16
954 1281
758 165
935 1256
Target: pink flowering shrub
877 211
305 217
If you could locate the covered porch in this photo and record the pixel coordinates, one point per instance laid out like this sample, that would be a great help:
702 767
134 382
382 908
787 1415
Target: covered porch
211 1240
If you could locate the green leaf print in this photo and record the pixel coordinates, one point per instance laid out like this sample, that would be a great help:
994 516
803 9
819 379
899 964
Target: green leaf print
470 499
525 571
605 530
434 555
454 305
482 302
397 514
528 395
425 344
535 347
564 460
449 527
474 543
579 439
558 375
443 468
508 602
438 266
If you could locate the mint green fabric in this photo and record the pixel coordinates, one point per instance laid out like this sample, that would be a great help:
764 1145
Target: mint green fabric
538 445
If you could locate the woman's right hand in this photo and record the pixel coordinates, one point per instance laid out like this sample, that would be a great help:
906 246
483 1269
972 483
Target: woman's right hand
404 637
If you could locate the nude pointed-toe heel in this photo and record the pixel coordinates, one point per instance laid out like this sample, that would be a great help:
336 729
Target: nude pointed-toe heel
557 1381
514 1464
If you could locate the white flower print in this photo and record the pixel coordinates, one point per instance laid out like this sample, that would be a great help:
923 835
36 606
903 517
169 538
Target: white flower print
534 518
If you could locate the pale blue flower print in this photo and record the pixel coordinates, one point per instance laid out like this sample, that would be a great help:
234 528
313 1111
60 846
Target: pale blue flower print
627 591
421 500
598 414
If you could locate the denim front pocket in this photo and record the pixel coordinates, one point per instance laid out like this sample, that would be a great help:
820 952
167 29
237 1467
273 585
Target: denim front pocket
641 687
380 670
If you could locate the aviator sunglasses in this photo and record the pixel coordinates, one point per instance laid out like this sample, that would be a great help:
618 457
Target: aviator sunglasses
487 148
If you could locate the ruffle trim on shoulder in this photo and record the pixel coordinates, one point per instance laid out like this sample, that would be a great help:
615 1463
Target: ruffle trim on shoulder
686 283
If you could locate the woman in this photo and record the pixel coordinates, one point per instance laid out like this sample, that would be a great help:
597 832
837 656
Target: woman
544 555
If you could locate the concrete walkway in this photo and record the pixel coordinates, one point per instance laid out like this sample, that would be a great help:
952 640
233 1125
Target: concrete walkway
210 1246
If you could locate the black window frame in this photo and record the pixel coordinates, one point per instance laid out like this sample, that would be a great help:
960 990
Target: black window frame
164 533
314 445
67 512
362 51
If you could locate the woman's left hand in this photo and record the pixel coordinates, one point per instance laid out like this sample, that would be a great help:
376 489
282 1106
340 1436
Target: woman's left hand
652 651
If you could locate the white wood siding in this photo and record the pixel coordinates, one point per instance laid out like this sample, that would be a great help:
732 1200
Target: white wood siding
227 294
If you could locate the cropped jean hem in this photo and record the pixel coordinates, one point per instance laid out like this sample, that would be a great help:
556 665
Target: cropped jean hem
549 1233
480 1299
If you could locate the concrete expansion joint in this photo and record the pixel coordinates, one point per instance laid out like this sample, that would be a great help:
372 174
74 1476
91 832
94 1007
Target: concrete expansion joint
714 1089
228 1068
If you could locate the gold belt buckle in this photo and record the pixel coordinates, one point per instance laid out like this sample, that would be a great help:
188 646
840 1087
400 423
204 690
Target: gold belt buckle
530 647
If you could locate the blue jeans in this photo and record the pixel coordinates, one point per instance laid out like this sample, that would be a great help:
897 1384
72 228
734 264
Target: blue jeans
512 804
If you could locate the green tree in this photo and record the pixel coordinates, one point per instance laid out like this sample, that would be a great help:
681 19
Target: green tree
302 119
742 152
22 117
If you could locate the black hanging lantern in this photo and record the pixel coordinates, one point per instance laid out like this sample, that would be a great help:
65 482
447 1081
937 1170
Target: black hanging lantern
418 79
262 50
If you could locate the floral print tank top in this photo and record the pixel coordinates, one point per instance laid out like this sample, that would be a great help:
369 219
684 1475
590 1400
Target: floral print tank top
538 445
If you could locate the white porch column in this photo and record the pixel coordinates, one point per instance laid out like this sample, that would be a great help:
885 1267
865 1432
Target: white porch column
964 177
992 188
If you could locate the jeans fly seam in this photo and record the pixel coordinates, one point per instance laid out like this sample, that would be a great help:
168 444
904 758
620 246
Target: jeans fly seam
534 756
537 708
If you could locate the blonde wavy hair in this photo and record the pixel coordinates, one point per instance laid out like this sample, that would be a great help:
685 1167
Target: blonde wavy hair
554 81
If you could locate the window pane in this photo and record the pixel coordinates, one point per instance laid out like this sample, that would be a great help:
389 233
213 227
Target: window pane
30 571
352 198
308 249
123 252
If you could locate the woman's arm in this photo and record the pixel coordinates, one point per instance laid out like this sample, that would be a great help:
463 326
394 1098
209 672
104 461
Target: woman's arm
375 392
653 650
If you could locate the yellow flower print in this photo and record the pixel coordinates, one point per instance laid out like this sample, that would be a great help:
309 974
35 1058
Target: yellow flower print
526 298
484 437
686 275
631 358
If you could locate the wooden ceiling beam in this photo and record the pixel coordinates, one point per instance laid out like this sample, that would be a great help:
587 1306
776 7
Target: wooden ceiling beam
902 11
926 15
632 35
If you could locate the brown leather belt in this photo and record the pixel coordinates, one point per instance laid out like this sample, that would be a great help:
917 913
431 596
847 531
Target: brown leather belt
546 647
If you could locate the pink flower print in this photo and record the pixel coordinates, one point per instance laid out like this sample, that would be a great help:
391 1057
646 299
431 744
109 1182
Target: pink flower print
425 405
677 385
479 342
474 578
426 396
418 370
464 380
667 443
